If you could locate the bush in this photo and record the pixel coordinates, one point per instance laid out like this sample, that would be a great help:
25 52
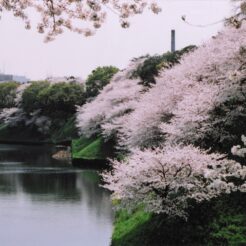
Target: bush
61 97
98 79
7 94
153 64
53 100
30 101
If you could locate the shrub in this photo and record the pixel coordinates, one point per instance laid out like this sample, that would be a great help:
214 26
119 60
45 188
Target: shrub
53 99
153 64
98 79
30 101
61 97
7 94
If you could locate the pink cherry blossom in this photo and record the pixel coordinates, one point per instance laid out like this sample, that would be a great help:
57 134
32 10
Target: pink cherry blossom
83 17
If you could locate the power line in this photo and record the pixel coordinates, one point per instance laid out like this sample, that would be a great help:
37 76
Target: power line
200 25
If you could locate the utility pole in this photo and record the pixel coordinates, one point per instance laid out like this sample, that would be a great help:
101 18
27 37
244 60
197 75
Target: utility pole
173 41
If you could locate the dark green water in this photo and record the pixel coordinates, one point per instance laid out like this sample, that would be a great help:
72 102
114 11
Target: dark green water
44 202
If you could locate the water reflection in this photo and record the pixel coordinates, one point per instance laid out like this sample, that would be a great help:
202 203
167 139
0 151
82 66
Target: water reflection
46 202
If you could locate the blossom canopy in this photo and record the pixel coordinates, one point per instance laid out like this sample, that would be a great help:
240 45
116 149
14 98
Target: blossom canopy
81 16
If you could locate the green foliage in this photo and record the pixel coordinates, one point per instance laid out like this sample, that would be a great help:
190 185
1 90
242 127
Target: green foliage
61 97
30 95
153 64
7 94
53 100
98 79
221 221
229 230
227 226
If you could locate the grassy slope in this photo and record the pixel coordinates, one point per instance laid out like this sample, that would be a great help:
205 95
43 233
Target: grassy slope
82 148
127 223
91 149
220 222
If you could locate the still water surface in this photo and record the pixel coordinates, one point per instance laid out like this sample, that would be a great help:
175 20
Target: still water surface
44 202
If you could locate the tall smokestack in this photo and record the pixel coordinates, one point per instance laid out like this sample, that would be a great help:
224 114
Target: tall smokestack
173 48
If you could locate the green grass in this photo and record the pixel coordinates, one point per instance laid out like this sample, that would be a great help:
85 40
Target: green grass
80 144
91 148
91 151
126 223
221 221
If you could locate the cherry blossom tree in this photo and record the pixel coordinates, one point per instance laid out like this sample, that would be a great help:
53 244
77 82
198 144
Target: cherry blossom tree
105 113
16 115
183 109
177 109
86 16
83 17
166 179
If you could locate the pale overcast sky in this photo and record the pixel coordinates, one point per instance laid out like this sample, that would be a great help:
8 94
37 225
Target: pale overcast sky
23 52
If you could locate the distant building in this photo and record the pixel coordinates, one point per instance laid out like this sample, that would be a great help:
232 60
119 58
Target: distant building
10 77
20 79
6 77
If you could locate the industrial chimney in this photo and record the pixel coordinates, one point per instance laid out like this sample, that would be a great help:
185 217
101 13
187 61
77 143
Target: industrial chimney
173 48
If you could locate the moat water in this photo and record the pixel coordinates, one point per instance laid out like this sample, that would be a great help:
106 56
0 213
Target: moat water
44 202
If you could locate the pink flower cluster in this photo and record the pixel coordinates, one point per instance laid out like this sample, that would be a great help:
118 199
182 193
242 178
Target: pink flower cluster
105 114
83 17
165 179
178 106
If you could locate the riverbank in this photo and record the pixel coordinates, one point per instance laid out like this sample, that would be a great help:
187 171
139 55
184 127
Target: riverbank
84 152
221 221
